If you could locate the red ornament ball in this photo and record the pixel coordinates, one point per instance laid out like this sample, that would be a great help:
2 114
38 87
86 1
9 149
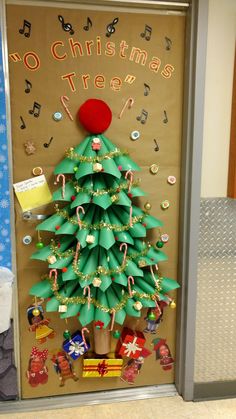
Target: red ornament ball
72 197
64 269
57 227
95 116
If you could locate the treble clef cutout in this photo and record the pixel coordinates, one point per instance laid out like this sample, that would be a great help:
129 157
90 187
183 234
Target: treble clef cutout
67 27
110 27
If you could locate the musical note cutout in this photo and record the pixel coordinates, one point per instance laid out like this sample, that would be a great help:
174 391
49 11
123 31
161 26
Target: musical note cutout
168 43
26 30
146 89
165 120
110 27
89 23
156 145
23 126
143 117
147 33
28 86
36 110
67 27
46 145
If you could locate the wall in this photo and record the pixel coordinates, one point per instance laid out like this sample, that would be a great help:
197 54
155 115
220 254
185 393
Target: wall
218 96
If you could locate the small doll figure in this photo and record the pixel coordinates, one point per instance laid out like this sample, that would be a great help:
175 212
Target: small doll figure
96 144
37 372
153 319
38 324
64 367
131 370
163 353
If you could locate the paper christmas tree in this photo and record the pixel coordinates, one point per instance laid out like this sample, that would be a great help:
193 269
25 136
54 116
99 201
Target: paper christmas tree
101 268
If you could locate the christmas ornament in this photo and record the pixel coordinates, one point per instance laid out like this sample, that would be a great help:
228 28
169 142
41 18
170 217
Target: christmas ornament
27 240
51 259
39 245
138 305
37 372
29 147
64 269
147 206
37 171
97 282
76 344
96 144
171 180
67 334
165 238
95 116
154 169
36 312
63 367
57 116
97 167
173 304
38 324
159 244
90 239
116 334
135 135
102 368
165 204
153 318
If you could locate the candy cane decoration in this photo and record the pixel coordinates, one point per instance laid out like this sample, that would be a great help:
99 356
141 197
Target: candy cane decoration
53 271
77 250
158 308
78 217
153 276
89 295
130 216
130 279
125 252
63 184
63 99
84 329
112 319
128 104
129 174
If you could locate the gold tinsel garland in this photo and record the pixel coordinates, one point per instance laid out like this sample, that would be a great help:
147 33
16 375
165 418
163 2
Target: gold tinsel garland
83 300
122 186
102 224
71 154
100 269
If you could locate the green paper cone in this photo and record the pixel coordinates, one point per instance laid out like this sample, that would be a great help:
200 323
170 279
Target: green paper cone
67 228
81 237
136 211
103 150
69 191
123 199
126 163
72 310
65 166
69 275
61 263
110 167
100 314
50 223
80 148
106 237
113 301
144 258
145 302
106 280
147 288
81 199
41 289
124 237
168 284
109 145
157 255
132 269
86 315
84 169
42 254
129 309
91 265
52 305
152 222
103 201
136 191
137 230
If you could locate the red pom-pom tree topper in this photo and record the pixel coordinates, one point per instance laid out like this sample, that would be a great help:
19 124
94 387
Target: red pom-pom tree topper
95 116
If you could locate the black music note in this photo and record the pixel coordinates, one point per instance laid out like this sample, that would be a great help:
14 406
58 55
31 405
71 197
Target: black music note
46 145
28 86
157 146
168 43
110 27
89 23
23 126
142 117
147 33
165 120
146 89
36 110
26 30
67 27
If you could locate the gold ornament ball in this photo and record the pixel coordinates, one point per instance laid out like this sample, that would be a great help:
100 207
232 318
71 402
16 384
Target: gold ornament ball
173 304
36 312
147 206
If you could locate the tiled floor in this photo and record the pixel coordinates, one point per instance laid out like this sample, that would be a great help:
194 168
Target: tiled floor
163 408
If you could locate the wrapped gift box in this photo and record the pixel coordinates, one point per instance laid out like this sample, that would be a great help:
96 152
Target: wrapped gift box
102 368
75 347
131 343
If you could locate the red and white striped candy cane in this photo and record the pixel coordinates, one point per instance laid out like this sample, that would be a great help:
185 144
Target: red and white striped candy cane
53 271
130 279
129 174
130 216
63 99
77 252
112 319
84 329
63 184
158 307
125 252
128 104
87 288
153 276
78 217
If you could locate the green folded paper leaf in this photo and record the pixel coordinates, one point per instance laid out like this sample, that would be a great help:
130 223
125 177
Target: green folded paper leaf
113 301
61 263
67 228
106 237
136 191
65 166
137 230
126 163
41 289
130 310
123 199
152 222
100 314
86 314
144 286
81 199
80 148
108 144
50 223
145 302
42 254
84 169
132 269
168 284
156 255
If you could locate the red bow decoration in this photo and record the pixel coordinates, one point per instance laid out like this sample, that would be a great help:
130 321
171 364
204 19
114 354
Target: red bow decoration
35 352
99 324
102 368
